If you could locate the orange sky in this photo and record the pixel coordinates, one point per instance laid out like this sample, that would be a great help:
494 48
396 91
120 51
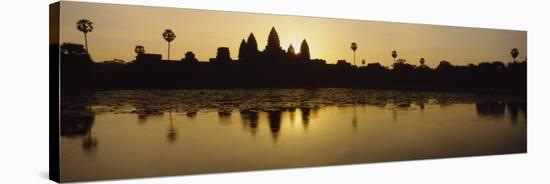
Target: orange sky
119 28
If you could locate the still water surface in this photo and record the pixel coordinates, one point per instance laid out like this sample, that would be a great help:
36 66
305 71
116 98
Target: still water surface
121 134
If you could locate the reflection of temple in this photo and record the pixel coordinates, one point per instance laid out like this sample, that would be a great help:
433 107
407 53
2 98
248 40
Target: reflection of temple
250 117
273 52
274 122
305 115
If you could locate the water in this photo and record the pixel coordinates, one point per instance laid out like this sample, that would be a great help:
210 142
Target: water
140 133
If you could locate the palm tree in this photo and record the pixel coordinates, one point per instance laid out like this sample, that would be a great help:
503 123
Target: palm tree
85 26
354 48
139 49
514 53
169 36
394 55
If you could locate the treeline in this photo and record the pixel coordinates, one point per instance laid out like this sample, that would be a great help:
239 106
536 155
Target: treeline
79 72
275 67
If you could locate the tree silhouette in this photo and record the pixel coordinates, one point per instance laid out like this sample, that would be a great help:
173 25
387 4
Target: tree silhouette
190 57
72 49
401 61
304 51
74 52
291 68
85 26
242 51
342 62
354 48
394 55
444 66
514 53
169 36
139 49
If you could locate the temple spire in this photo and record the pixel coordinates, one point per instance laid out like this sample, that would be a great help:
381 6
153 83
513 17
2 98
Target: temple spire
290 50
304 51
273 39
242 51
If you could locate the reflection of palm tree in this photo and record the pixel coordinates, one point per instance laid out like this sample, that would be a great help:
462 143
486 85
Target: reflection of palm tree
89 143
354 48
139 49
169 36
514 53
394 115
172 133
85 26
354 121
394 55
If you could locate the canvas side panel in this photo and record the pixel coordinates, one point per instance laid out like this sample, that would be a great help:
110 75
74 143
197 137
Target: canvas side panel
54 92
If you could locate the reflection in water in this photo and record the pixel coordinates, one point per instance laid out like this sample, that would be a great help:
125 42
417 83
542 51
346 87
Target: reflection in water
274 122
172 133
498 109
420 104
515 108
250 117
491 108
320 135
73 126
354 120
305 116
142 118
291 113
76 126
89 143
192 113
224 113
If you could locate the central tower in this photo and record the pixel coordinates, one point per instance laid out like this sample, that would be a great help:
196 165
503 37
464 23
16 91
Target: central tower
273 51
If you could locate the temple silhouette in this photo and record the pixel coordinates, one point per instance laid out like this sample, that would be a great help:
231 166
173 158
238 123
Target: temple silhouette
276 67
249 53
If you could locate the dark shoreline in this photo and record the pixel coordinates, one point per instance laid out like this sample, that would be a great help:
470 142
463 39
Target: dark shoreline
388 88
